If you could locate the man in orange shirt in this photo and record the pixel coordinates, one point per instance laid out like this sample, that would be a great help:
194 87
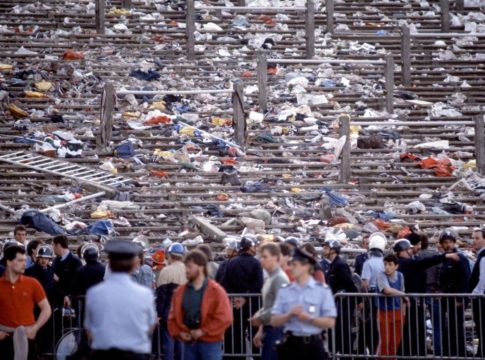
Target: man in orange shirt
200 312
18 296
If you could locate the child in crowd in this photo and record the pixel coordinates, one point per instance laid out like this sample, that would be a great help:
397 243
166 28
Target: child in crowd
391 312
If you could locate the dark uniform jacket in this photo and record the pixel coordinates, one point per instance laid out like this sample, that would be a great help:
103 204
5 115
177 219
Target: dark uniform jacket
46 278
340 277
65 270
414 271
454 276
244 274
87 276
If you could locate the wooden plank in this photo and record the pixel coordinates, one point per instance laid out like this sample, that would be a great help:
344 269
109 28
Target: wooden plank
310 29
389 75
239 119
108 100
406 56
460 5
330 7
345 169
445 15
480 143
262 74
100 16
190 28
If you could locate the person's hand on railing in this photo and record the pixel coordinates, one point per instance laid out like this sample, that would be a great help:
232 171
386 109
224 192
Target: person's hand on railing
3 335
238 302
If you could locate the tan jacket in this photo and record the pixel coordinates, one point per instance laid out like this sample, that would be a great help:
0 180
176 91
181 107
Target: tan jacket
172 274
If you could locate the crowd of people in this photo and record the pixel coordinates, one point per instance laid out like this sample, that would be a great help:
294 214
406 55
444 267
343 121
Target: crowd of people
271 299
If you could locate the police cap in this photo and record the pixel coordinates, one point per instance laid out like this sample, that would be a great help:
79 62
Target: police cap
122 249
303 257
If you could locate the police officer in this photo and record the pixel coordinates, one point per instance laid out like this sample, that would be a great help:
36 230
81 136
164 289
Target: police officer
120 314
304 308
340 281
414 332
453 278
368 326
244 275
44 273
90 274
477 287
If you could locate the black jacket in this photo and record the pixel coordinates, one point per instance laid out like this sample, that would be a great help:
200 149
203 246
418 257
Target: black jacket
414 271
340 276
454 276
87 276
65 270
359 263
46 278
243 274
164 295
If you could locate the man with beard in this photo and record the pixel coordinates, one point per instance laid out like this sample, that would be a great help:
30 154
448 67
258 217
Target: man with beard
200 312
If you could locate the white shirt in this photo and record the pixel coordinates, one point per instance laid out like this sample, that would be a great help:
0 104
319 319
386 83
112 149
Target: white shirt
119 315
480 288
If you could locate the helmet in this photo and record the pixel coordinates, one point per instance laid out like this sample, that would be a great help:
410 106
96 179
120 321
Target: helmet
247 242
378 241
292 241
402 245
447 235
176 248
232 244
333 245
45 251
142 241
166 243
90 252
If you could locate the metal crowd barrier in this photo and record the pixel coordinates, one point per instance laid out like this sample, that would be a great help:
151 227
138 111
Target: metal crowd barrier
66 329
414 326
411 326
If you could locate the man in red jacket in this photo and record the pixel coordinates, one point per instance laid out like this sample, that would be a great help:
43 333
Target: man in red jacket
200 312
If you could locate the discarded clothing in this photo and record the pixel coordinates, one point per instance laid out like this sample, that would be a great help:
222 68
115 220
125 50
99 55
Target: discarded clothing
149 75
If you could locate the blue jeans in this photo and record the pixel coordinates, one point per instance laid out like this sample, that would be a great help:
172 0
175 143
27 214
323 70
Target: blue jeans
202 350
172 349
270 336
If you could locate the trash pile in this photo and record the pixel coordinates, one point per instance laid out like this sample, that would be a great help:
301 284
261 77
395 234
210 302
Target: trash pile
189 179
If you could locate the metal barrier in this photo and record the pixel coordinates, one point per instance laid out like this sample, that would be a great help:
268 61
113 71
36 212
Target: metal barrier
445 326
67 329
410 326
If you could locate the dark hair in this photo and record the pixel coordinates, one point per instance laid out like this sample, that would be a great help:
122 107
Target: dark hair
198 258
11 252
19 228
424 241
121 264
391 258
206 249
61 240
273 249
309 248
285 249
31 246
480 230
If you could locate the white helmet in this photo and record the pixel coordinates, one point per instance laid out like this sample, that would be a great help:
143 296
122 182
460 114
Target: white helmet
377 240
